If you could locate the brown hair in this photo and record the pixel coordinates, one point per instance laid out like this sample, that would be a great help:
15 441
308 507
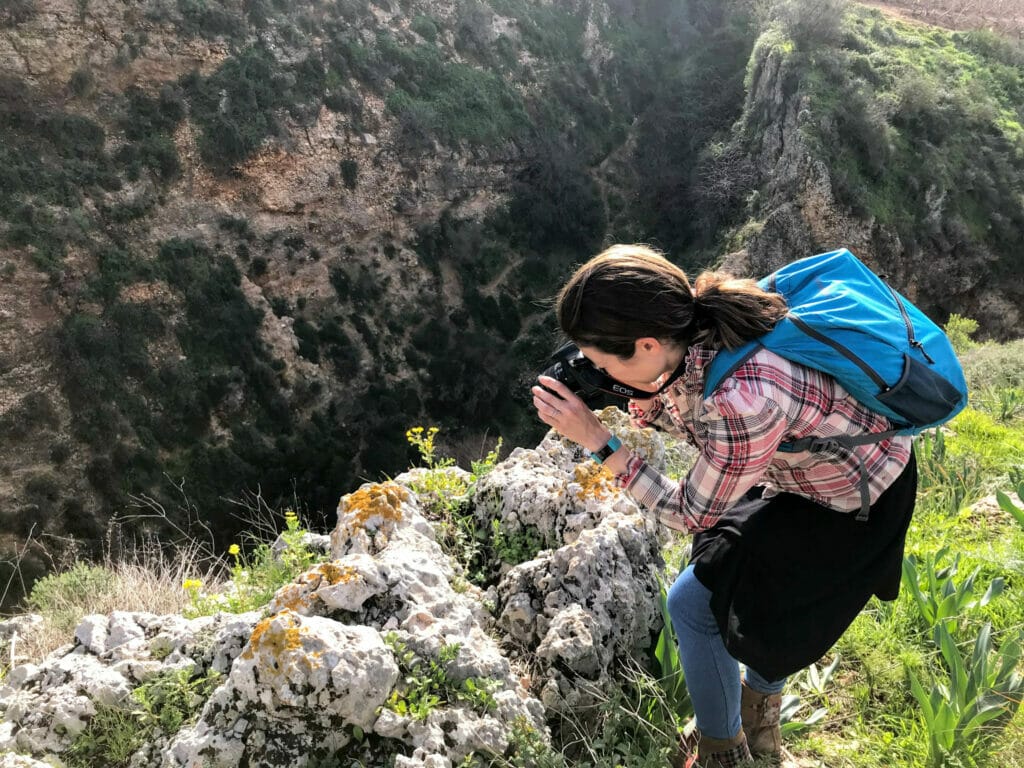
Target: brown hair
629 292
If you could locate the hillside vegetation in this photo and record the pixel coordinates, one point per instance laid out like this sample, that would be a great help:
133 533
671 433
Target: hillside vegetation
249 243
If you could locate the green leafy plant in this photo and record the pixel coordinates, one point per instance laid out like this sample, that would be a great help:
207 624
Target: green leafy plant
257 575
790 724
948 482
942 599
172 699
960 711
517 546
446 494
813 682
423 441
111 737
1005 402
483 466
1006 503
63 597
426 684
634 726
816 681
528 749
670 667
162 705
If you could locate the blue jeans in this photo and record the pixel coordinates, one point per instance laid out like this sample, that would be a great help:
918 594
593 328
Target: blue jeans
712 675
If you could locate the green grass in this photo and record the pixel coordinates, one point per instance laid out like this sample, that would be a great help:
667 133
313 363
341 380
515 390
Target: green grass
996 446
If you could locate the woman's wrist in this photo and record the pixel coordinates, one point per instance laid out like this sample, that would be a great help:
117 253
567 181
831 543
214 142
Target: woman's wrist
598 441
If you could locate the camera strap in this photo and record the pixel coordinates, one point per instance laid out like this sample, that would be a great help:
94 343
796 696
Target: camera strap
602 381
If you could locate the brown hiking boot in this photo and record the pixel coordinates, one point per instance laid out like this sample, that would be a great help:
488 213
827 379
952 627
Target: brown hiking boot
759 713
699 751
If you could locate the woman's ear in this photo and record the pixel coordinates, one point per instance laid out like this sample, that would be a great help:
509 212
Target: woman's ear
647 344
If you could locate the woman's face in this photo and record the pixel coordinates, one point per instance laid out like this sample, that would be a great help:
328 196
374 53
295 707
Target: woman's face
651 359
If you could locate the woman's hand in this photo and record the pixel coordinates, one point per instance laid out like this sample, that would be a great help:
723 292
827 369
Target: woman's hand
569 415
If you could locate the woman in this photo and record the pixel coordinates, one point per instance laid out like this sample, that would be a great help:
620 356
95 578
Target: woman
780 565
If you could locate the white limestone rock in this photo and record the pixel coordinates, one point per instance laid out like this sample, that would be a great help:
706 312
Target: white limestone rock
91 633
14 760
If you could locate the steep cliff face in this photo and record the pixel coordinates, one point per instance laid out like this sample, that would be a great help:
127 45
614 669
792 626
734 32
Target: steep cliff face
247 245
901 142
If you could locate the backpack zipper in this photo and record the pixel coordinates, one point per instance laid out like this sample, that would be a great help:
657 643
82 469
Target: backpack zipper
910 326
868 370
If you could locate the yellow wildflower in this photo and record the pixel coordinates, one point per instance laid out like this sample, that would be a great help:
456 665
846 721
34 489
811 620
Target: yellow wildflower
234 550
190 585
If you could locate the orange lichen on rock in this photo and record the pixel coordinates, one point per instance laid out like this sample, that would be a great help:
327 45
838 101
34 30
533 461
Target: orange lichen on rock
595 481
336 574
275 635
300 596
293 597
381 500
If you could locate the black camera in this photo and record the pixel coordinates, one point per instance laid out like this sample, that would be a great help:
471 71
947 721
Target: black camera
593 387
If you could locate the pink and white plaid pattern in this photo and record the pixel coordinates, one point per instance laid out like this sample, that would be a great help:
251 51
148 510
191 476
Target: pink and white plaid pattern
766 401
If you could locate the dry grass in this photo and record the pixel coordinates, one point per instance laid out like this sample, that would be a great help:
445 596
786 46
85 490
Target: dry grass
1006 16
149 580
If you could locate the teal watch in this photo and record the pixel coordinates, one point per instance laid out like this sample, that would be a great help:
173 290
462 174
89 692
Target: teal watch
606 450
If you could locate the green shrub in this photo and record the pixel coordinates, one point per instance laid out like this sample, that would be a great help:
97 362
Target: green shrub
341 350
309 339
310 79
976 690
959 330
81 82
14 12
237 225
145 115
425 27
210 19
258 267
235 106
812 23
349 173
995 366
59 453
426 684
449 101
162 706
556 204
33 412
172 699
550 32
43 489
64 598
255 576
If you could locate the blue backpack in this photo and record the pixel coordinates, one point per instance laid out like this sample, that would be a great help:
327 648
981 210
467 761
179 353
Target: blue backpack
845 321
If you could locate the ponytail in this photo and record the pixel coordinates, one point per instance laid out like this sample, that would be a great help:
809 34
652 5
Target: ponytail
729 311
629 292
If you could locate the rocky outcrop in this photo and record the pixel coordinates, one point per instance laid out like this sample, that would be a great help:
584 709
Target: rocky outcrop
325 669
798 209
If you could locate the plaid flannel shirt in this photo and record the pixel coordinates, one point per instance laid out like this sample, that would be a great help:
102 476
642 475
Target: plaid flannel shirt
766 401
